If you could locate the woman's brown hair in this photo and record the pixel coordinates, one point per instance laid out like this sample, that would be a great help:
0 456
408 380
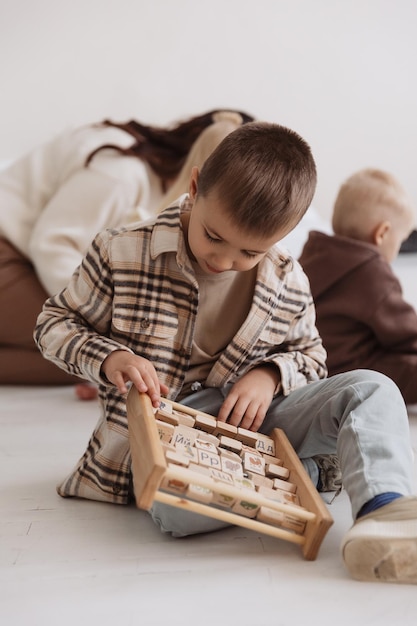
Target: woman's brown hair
164 149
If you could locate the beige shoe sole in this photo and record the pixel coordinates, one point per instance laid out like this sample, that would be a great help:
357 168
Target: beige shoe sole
382 546
382 559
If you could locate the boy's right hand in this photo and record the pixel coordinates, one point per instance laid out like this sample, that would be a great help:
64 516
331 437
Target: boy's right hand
121 366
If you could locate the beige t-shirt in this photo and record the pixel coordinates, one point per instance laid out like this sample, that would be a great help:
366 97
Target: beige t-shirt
225 300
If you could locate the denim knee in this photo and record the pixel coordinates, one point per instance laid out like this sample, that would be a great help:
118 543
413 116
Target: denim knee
180 523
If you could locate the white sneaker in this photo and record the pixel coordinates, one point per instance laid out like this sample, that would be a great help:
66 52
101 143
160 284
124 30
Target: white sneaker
382 546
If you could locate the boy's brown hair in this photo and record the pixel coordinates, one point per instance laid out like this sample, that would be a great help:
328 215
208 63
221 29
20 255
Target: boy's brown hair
265 176
367 198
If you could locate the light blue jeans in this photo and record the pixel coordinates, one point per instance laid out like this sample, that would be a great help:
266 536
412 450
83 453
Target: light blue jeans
359 415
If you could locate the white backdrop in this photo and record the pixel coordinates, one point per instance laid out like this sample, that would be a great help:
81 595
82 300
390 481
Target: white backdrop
340 72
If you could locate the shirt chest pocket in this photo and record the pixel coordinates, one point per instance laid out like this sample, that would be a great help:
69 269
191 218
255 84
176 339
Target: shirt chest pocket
158 320
277 329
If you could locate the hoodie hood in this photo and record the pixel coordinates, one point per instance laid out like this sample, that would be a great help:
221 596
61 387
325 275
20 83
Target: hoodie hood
339 255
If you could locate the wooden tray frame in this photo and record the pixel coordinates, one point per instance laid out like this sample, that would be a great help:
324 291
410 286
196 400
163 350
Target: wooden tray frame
149 468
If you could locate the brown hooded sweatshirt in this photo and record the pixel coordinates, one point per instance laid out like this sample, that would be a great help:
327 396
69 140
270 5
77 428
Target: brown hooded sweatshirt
362 317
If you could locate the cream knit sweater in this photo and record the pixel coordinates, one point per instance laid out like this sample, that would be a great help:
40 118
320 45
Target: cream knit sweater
52 206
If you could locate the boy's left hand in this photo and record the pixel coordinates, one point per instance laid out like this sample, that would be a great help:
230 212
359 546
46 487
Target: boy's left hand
249 399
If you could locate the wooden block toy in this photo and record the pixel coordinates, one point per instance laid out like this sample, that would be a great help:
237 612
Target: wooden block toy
205 422
200 469
223 428
208 446
194 465
253 463
175 485
224 500
244 483
201 494
265 445
277 494
165 406
276 471
165 430
229 454
169 418
230 444
184 418
272 459
188 451
231 466
248 437
279 518
260 481
209 459
177 457
184 435
284 485
247 508
218 475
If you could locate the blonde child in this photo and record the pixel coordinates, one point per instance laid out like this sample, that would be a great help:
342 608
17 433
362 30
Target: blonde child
362 316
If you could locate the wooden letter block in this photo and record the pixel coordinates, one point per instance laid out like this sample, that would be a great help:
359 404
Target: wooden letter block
201 444
209 459
177 458
284 485
200 469
272 459
276 471
253 462
203 436
205 422
223 428
184 418
230 444
173 484
184 435
246 508
188 451
165 430
224 500
221 476
286 497
229 454
280 519
201 494
260 480
265 445
165 445
248 437
166 416
231 467
244 483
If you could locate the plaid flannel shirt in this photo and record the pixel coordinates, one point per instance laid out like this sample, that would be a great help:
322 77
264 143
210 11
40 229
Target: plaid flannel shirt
136 290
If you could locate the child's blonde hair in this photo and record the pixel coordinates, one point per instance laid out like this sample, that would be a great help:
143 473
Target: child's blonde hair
224 122
367 198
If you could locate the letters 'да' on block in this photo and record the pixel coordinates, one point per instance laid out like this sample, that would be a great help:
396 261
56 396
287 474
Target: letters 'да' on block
187 459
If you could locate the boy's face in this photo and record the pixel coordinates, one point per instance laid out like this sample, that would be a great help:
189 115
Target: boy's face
216 243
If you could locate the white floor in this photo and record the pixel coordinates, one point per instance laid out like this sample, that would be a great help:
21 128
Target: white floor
77 562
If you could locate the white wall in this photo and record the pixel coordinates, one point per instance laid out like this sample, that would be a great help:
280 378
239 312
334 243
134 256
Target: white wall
340 72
